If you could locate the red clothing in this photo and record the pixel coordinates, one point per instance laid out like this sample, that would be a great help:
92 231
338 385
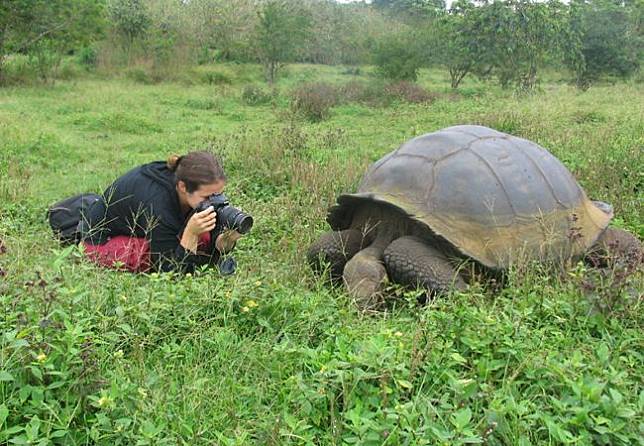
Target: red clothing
128 253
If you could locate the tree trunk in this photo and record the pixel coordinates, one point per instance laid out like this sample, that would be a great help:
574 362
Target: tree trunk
457 74
2 79
2 58
271 71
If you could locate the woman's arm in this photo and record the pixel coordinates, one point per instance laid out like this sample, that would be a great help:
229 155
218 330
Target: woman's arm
198 224
171 253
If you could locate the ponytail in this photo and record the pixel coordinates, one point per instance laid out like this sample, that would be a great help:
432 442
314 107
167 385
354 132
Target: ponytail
196 169
173 162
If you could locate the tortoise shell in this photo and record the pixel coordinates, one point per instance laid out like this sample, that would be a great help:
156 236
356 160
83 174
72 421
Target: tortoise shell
495 197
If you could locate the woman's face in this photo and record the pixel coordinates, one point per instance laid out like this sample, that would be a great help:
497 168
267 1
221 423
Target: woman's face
192 199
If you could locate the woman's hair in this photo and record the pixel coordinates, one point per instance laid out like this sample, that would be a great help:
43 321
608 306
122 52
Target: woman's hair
196 169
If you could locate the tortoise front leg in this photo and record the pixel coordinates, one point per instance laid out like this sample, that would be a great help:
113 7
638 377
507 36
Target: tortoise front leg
413 263
364 275
332 251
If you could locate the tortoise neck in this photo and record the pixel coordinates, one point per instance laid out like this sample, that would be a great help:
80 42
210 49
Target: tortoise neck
381 224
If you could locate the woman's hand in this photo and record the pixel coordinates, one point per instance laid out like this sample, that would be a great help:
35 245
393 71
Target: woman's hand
199 223
202 222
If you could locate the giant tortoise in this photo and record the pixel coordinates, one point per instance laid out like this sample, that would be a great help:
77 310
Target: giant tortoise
464 192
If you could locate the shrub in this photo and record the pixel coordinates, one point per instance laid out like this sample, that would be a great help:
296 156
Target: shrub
216 78
140 75
397 58
88 57
68 70
409 92
205 104
368 93
18 69
352 71
314 100
255 95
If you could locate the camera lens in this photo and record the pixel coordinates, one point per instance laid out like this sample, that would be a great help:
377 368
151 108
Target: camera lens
235 219
243 223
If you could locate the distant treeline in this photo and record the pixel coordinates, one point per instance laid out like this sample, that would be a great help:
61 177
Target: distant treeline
505 40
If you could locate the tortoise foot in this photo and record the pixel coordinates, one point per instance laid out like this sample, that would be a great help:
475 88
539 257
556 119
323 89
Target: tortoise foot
412 263
330 253
363 276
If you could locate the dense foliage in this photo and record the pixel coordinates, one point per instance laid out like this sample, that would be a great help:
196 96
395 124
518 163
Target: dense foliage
510 41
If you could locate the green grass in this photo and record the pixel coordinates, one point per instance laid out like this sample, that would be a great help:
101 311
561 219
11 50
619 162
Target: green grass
271 356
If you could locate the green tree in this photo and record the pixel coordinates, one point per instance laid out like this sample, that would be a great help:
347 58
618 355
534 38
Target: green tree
398 56
14 17
455 42
130 21
281 31
46 29
517 37
412 8
222 27
604 40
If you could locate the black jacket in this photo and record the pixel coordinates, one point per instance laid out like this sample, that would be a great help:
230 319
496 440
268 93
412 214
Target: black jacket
144 203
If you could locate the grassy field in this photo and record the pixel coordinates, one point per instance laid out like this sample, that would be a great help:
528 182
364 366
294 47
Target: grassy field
271 356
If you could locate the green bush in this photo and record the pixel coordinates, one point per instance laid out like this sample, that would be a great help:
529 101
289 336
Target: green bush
256 95
606 46
367 93
313 101
88 57
409 92
397 57
140 75
68 70
18 70
216 78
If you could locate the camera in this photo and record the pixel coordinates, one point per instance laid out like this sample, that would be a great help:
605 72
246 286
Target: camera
227 215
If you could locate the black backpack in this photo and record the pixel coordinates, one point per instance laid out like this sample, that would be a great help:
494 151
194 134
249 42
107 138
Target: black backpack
66 216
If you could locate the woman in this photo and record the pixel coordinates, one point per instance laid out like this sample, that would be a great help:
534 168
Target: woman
146 220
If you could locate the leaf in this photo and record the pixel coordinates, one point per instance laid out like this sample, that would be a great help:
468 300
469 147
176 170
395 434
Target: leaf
5 376
37 372
58 434
18 343
616 396
10 431
21 439
625 412
458 358
603 353
462 418
4 413
24 393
